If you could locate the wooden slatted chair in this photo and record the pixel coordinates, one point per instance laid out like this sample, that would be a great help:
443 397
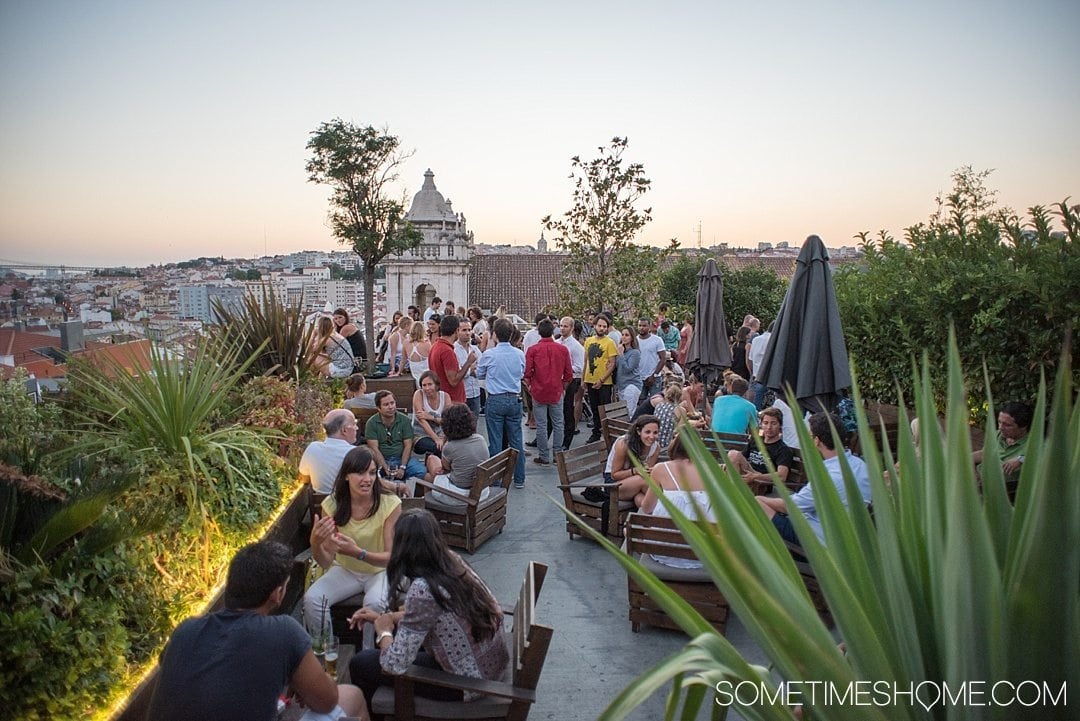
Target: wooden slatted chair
582 467
647 536
470 522
617 410
612 428
510 698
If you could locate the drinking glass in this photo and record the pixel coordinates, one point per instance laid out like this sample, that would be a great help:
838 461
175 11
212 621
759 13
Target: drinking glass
331 651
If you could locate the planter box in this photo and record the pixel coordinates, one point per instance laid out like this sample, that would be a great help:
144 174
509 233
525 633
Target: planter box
288 529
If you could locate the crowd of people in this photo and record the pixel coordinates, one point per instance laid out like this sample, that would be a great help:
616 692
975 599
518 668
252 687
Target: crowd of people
427 606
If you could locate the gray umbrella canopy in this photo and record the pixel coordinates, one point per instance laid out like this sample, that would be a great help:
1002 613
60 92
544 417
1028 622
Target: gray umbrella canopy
709 353
806 349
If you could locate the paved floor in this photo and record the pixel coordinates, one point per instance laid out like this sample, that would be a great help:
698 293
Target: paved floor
594 654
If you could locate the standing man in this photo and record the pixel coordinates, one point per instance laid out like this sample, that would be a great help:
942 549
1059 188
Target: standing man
389 435
577 366
754 361
233 663
503 367
600 353
468 354
547 374
443 360
653 356
322 459
436 303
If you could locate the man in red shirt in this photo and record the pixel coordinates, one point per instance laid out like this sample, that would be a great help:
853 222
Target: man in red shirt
443 361
547 373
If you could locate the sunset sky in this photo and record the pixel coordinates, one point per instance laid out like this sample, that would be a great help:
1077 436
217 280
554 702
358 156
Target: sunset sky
149 132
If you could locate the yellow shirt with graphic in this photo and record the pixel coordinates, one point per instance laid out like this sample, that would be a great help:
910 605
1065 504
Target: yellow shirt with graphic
599 351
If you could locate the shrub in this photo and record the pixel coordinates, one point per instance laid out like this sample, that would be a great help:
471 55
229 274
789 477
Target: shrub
274 335
947 582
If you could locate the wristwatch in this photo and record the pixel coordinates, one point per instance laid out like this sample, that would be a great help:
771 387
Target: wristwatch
381 636
362 555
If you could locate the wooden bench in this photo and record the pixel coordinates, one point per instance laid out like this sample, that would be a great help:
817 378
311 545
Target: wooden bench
582 467
655 535
508 698
402 387
470 522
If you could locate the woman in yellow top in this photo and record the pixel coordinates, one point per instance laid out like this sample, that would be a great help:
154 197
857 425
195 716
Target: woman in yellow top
352 540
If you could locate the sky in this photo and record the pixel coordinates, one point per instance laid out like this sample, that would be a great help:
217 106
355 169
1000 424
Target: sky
151 132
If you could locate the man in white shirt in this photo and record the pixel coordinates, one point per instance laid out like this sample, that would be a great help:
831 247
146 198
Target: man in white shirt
753 361
577 365
322 459
532 336
433 309
463 348
653 356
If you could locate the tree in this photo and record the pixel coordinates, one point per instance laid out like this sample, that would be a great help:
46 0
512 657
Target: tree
606 269
753 289
360 164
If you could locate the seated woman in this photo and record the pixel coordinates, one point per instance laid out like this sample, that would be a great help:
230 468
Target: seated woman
463 451
351 334
417 348
330 354
444 617
395 345
681 484
352 540
429 404
641 441
356 395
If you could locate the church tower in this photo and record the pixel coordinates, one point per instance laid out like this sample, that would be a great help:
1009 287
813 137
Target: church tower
439 266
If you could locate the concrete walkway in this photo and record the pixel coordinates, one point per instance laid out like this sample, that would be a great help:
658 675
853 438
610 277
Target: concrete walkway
594 655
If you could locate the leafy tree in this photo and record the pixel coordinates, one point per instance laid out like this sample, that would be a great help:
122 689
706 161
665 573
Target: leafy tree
606 269
1010 287
360 164
754 289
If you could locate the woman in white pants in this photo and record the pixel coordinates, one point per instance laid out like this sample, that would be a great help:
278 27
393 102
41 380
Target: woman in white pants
352 541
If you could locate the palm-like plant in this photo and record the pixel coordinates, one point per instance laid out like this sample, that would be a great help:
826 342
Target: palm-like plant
168 416
945 583
275 335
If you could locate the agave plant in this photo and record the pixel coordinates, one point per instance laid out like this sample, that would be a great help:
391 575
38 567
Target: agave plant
275 335
169 416
947 591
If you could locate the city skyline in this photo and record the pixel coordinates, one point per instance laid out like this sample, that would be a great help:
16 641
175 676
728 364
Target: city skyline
146 133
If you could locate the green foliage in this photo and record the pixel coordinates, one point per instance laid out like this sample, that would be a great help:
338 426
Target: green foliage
27 429
164 418
946 583
1010 287
360 165
64 644
276 336
606 269
754 289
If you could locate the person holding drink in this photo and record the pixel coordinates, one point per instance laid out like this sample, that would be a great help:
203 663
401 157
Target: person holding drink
352 540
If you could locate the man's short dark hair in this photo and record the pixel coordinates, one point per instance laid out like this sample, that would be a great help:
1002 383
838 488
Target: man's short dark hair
458 422
605 316
739 385
255 571
379 395
448 325
1020 412
435 300
545 328
539 317
503 330
819 428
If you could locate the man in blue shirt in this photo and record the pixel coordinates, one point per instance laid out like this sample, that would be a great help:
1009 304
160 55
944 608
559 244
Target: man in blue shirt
733 413
803 501
503 368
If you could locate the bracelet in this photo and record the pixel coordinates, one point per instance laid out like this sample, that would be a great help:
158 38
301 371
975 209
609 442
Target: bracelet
381 636
362 555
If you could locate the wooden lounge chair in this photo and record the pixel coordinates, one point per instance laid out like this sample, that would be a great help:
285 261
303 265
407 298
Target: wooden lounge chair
656 535
470 522
580 468
509 698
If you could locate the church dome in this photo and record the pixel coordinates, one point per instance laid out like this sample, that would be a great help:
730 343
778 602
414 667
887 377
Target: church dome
428 205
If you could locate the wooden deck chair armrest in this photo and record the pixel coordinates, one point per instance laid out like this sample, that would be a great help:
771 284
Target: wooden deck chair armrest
453 494
585 483
438 677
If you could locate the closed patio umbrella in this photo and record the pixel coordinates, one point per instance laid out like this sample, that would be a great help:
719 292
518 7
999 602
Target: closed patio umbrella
709 353
806 349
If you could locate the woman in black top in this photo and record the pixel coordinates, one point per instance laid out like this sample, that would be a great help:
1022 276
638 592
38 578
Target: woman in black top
738 353
351 333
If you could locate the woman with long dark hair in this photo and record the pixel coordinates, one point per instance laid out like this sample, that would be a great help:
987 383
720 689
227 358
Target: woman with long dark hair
639 442
352 540
445 616
351 333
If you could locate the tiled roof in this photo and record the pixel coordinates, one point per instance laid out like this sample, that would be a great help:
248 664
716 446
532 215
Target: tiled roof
20 342
134 356
525 284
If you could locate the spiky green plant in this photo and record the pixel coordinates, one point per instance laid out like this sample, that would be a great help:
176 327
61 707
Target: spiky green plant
946 583
169 417
275 335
